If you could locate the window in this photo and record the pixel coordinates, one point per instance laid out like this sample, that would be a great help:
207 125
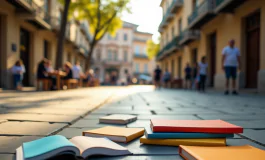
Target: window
180 25
98 54
194 4
125 56
137 68
125 37
115 55
46 46
69 57
109 37
145 68
46 6
137 50
145 51
109 55
173 31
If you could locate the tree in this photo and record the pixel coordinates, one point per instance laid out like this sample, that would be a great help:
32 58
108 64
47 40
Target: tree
103 17
152 48
60 44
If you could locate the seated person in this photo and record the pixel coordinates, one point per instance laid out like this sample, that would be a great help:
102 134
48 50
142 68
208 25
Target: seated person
68 71
89 78
77 71
42 72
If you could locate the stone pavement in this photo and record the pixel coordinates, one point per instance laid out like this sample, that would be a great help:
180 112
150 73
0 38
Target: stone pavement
29 116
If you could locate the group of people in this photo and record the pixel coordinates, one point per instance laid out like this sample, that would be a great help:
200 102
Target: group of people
46 71
196 76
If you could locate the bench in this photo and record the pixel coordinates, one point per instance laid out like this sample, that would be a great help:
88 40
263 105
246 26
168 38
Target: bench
71 83
46 84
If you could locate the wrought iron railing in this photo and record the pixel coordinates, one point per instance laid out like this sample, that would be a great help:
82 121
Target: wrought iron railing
39 11
203 8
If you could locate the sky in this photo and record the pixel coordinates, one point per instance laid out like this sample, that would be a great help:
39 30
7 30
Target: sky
147 14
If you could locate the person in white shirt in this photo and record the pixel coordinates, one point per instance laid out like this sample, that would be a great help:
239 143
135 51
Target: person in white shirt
18 71
230 63
202 74
77 71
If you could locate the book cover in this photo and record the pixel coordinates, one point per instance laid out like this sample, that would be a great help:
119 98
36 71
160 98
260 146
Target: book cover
149 134
117 134
221 153
118 119
189 142
199 126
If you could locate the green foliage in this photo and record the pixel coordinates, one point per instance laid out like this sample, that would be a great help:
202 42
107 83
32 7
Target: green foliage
103 15
152 49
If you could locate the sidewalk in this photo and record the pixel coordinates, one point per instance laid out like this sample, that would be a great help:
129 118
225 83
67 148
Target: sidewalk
26 116
34 115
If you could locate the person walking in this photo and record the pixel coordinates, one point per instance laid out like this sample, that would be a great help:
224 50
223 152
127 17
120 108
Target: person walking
203 74
157 77
166 78
230 63
18 71
188 71
195 76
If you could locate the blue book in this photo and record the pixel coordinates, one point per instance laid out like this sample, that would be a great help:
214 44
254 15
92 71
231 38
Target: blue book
54 146
158 135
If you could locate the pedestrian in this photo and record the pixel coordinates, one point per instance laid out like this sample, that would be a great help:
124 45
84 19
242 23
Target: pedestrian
188 76
203 74
167 78
157 77
77 71
230 63
195 77
18 71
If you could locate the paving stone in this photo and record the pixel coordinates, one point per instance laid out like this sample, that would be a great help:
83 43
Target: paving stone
48 110
249 124
177 117
256 135
9 144
72 132
121 112
95 116
158 157
39 117
29 128
6 156
179 112
141 149
232 117
92 123
139 124
241 142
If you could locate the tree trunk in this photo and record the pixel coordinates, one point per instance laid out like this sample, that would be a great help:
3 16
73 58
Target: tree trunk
88 60
60 44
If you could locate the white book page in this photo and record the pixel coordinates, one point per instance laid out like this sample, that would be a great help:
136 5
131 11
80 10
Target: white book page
86 143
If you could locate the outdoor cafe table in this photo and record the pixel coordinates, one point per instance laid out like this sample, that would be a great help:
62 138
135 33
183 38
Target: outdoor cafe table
58 75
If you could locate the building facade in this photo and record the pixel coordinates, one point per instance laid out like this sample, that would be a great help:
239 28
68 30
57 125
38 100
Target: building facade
117 54
196 28
142 65
29 31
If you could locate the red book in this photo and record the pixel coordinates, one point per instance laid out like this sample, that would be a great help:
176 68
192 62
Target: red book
199 126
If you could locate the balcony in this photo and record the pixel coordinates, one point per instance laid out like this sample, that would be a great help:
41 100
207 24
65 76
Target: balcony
201 15
227 5
115 63
56 24
188 36
22 5
176 4
139 39
37 17
82 49
140 55
169 48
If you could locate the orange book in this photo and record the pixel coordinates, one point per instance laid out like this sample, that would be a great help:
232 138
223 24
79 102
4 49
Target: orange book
116 134
221 153
198 126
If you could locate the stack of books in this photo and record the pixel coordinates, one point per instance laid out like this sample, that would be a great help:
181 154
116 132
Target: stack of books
189 132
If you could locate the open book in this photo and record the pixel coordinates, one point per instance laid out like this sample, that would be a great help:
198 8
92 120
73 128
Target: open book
53 146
